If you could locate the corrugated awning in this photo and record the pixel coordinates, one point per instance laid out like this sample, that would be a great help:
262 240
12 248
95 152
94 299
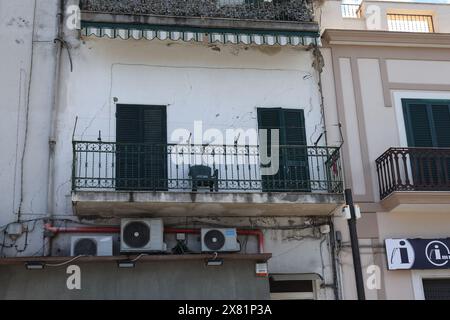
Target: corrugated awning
224 36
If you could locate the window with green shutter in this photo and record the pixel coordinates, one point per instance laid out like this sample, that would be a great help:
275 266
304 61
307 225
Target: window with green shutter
427 124
141 155
293 174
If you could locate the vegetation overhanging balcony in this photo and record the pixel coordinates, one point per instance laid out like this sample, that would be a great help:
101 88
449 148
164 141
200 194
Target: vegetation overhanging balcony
263 10
247 22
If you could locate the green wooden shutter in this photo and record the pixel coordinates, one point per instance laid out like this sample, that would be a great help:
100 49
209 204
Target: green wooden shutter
128 124
154 149
441 121
271 119
293 174
295 151
141 152
418 126
428 125
128 135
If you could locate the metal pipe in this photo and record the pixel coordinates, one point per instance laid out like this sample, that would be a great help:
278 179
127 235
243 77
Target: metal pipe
355 246
252 232
54 120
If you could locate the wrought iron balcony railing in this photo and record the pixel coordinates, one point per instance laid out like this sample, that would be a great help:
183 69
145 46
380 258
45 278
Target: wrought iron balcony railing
266 10
410 22
147 167
413 169
349 10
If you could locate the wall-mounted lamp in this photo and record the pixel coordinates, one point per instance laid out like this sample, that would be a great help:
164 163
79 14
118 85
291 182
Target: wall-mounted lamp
34 265
125 264
214 262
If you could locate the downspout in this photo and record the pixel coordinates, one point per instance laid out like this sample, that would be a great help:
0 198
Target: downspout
53 124
55 230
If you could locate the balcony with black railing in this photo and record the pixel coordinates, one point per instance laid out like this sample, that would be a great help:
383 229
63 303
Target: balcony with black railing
171 167
413 169
220 174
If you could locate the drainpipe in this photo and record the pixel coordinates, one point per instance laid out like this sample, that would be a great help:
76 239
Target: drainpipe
53 123
55 230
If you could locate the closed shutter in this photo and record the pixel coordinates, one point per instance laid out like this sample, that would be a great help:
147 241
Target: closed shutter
293 174
418 124
441 121
428 126
141 135
296 152
128 137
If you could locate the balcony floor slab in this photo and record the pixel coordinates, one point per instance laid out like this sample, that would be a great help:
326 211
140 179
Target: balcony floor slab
417 201
168 204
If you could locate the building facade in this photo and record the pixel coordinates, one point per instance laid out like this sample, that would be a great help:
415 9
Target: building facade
151 113
174 150
390 92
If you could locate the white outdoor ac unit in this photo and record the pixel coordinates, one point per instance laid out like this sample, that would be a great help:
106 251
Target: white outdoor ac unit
91 245
142 235
220 240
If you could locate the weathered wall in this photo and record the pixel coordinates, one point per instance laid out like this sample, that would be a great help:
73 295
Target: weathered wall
27 64
159 280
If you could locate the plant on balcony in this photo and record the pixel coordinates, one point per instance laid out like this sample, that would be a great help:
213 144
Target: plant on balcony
277 10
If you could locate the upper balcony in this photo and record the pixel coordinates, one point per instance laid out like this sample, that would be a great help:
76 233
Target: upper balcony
269 21
386 15
177 180
408 177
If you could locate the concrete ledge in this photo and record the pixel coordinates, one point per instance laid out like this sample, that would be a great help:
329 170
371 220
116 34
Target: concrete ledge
417 201
217 23
263 257
121 204
385 38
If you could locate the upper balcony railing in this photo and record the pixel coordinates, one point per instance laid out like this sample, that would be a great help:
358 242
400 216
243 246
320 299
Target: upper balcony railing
265 10
413 169
410 22
352 11
211 168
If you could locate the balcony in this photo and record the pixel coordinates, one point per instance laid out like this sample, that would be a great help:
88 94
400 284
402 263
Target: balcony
122 179
408 177
258 22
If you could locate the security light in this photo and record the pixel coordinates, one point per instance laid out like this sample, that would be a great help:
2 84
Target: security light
34 265
214 262
126 264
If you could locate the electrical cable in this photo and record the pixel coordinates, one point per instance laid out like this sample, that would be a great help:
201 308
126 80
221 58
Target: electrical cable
27 113
65 262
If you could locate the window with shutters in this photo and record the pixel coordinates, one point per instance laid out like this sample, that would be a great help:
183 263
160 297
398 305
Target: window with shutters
427 125
427 122
141 142
293 173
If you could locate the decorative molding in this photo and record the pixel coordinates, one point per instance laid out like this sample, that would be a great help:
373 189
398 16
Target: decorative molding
386 38
385 83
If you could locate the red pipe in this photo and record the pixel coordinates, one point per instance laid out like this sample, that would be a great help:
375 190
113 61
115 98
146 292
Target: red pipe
252 232
49 227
